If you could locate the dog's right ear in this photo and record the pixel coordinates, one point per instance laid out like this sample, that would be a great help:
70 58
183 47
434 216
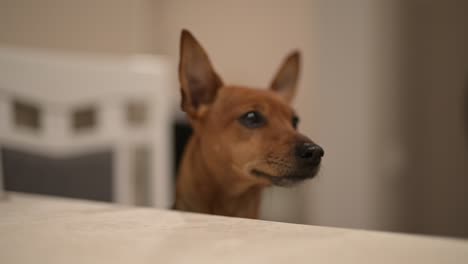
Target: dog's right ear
286 78
199 82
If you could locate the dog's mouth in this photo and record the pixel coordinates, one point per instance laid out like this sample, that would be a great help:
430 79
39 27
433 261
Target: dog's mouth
285 180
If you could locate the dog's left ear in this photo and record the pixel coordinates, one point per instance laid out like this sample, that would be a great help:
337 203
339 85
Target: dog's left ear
286 78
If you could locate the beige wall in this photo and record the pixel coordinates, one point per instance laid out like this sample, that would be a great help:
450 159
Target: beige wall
356 103
111 26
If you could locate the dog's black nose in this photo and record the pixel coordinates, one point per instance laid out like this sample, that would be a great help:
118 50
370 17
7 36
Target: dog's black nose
310 152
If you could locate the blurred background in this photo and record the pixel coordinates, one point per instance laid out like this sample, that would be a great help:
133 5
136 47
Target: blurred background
89 103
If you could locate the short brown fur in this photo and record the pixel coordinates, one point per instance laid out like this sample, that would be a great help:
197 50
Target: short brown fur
226 165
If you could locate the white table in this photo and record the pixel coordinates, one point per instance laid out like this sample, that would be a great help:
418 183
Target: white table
40 229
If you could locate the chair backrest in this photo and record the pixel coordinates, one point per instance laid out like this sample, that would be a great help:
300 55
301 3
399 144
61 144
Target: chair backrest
60 105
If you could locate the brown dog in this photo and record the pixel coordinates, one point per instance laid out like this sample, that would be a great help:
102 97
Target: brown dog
244 139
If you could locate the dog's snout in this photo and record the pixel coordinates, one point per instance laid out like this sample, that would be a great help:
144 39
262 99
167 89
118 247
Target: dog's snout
310 152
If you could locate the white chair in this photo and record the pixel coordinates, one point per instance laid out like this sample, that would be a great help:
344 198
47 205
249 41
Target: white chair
63 105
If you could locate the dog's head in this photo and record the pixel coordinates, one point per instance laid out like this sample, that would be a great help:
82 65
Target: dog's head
251 132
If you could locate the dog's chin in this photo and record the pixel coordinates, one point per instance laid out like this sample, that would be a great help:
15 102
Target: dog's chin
287 180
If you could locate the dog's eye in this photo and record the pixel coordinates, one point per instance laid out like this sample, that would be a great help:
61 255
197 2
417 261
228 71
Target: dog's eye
252 119
295 121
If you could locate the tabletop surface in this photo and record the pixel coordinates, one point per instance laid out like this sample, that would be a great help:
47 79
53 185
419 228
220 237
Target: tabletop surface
41 229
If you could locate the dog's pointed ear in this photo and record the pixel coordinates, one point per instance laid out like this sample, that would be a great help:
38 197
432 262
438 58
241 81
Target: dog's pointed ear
199 82
285 80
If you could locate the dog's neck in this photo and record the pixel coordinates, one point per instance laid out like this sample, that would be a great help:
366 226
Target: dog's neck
202 190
